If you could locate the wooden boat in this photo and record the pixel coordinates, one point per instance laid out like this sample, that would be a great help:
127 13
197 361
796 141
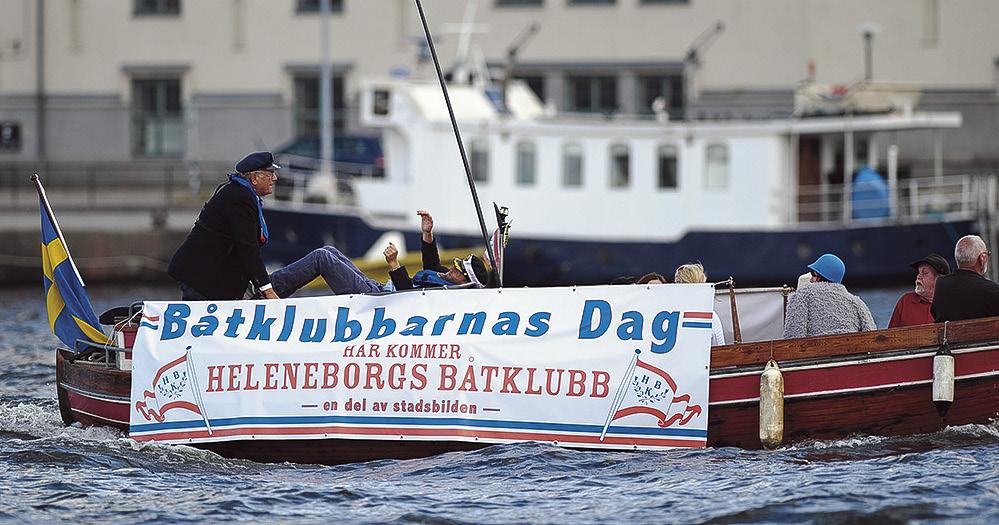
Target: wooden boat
869 383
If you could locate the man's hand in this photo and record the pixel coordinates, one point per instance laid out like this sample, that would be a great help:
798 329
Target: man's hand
426 225
392 256
270 294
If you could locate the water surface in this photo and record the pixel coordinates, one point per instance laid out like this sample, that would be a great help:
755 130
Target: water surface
52 473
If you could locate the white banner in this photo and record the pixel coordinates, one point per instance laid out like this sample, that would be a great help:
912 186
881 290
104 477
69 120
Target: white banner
602 366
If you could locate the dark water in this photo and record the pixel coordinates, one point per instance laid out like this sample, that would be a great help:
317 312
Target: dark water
51 473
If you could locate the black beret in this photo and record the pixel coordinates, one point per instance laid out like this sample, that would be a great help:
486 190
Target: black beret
258 160
935 261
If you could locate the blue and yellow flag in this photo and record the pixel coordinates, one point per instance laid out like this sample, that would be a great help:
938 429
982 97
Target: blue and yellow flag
71 315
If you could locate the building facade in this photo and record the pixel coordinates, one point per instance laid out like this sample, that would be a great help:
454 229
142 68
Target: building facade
206 81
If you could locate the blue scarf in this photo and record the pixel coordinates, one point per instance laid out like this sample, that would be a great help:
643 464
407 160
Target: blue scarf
264 234
429 278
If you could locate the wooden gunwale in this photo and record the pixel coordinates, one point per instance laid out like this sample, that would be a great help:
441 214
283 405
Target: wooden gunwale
961 333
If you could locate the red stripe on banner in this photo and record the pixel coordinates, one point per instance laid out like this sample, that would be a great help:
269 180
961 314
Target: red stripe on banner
151 318
697 315
425 432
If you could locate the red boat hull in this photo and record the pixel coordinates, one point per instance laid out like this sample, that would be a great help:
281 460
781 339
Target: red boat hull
874 383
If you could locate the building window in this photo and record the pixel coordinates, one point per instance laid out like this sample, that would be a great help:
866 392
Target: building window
504 3
478 159
667 167
526 163
620 166
572 165
157 118
307 105
669 87
312 6
536 83
596 94
716 167
156 7
10 137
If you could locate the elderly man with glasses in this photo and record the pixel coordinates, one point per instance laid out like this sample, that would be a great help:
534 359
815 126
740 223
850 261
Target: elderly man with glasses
966 293
221 255
220 259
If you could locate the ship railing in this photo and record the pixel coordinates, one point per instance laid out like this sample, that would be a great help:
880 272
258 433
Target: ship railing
300 180
953 197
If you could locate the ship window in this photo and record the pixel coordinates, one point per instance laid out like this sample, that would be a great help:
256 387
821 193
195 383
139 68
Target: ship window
667 167
716 167
478 159
526 162
619 168
380 102
572 165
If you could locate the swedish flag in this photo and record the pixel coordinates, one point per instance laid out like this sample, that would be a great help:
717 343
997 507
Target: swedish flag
71 315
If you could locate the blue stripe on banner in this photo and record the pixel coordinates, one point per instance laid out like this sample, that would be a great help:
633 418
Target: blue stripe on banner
417 421
147 325
691 324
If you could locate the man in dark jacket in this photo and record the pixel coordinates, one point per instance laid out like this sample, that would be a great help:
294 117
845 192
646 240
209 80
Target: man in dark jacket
468 270
221 255
966 293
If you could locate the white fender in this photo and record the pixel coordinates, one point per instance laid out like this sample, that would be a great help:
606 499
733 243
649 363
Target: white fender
943 380
771 406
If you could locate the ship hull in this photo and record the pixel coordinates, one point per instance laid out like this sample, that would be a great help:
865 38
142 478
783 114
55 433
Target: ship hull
878 253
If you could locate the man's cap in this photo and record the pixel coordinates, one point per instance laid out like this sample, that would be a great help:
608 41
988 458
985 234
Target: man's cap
935 261
258 160
475 269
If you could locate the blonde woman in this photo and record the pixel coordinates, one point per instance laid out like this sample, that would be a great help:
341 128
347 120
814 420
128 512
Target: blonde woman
694 273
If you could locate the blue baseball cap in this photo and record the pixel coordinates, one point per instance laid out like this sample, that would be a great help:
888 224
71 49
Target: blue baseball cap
256 161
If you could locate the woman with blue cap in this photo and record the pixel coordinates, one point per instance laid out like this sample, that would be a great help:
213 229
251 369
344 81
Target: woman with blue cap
824 306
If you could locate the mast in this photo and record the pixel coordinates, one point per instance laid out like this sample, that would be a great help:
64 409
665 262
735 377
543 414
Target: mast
461 147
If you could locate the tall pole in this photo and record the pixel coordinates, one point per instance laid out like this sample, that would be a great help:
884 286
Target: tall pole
868 54
40 80
461 147
325 96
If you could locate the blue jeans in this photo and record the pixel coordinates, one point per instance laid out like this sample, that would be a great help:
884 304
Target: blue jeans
340 273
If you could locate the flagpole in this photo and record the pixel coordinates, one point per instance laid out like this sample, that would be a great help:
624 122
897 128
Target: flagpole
197 390
55 224
461 146
619 396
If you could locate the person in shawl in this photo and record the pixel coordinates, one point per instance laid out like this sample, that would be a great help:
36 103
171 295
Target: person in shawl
220 259
471 269
221 255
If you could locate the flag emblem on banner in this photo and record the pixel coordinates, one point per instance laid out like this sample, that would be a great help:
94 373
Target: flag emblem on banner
652 391
174 387
71 316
